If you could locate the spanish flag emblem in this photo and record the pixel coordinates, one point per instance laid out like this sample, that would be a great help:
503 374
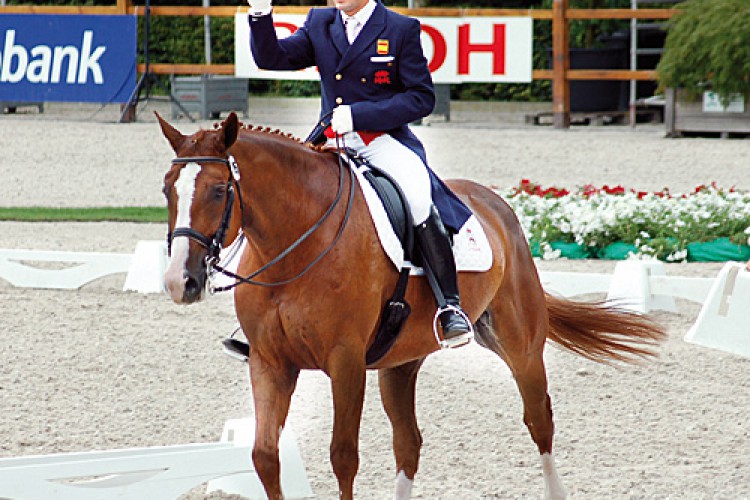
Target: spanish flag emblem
382 47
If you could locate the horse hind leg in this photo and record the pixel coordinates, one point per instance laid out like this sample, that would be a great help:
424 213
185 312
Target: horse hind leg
397 391
530 375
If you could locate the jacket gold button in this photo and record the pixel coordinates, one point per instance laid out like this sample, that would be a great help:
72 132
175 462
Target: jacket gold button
338 76
339 100
364 80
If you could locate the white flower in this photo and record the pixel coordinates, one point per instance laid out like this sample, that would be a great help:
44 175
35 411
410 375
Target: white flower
549 253
599 219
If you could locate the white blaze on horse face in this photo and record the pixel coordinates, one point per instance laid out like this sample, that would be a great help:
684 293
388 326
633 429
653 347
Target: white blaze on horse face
174 277
403 487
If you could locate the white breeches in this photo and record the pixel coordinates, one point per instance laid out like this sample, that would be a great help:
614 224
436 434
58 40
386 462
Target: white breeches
402 164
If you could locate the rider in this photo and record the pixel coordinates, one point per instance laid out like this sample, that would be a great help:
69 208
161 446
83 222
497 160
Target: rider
374 82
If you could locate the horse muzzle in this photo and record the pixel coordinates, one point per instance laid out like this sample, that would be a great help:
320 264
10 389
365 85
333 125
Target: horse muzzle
188 289
185 278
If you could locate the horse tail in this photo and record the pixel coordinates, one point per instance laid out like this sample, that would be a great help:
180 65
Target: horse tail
601 331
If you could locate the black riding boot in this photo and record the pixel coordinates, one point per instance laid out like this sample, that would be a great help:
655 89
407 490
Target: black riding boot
435 247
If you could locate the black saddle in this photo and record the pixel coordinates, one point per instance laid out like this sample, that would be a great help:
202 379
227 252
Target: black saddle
393 200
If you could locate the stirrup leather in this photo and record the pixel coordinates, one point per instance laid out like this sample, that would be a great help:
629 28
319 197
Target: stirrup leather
458 340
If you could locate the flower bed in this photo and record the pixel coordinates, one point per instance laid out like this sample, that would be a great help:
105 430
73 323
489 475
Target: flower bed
709 224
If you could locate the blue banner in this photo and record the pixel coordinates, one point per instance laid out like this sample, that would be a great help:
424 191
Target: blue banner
73 58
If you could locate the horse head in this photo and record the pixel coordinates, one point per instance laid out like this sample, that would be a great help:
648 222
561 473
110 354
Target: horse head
203 217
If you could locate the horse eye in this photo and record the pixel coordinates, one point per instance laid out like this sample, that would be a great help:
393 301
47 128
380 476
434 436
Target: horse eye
219 192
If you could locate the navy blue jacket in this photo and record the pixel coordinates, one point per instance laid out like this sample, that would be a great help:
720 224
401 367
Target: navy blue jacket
382 76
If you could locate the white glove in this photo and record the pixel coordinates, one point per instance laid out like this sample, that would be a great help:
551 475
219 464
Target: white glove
341 120
259 7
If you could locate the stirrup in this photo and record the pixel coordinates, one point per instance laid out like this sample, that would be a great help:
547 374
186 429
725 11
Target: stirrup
236 349
458 340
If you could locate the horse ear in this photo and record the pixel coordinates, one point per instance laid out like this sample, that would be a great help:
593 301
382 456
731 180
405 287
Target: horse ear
230 129
173 135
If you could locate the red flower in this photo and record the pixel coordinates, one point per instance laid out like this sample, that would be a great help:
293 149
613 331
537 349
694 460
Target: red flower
588 190
613 190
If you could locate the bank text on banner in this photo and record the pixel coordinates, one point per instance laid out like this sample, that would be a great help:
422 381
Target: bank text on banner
74 58
458 49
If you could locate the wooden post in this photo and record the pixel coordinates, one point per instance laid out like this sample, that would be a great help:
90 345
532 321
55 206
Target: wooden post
123 5
560 64
670 97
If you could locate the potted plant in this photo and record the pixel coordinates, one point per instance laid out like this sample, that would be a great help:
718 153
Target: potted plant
705 67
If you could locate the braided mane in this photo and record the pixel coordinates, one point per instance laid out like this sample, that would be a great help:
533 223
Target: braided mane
278 132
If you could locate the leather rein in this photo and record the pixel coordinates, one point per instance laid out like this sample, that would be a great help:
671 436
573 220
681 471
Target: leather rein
214 243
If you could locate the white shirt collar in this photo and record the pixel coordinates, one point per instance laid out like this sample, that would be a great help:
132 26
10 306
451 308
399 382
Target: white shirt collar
364 14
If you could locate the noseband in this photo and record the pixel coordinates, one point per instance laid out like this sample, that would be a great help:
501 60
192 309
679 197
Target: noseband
213 243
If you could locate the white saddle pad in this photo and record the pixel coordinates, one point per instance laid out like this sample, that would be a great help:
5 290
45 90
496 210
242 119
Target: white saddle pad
470 246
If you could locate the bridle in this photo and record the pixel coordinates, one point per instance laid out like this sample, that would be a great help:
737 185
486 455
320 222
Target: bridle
214 244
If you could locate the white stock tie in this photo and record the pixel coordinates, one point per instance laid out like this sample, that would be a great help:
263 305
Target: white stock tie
352 27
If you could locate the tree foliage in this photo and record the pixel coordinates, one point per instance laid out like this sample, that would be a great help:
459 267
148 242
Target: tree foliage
708 48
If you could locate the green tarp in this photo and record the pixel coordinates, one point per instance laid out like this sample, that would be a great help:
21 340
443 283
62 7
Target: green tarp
719 250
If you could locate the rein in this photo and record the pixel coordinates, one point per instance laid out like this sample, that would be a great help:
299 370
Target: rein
214 244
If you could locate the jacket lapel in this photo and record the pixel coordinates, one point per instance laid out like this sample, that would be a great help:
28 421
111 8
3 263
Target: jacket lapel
374 27
338 34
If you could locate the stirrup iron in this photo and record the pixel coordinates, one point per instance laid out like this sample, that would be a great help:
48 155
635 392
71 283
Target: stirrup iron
235 348
458 340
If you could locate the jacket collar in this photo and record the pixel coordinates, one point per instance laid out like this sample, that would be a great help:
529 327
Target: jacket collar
364 14
370 31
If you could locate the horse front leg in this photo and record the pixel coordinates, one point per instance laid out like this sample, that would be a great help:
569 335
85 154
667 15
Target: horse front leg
272 385
347 372
397 391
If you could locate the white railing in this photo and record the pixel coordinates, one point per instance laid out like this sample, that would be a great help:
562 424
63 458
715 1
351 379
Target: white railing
160 472
60 270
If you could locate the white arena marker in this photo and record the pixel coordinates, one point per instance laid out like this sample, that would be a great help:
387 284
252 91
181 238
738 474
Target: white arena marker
294 482
146 273
631 286
163 472
723 320
77 268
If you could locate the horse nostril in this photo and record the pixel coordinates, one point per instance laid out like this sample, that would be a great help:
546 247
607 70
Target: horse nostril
192 288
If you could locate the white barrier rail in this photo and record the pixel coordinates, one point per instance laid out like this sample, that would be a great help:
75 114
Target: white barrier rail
724 320
138 473
633 281
161 472
638 285
79 268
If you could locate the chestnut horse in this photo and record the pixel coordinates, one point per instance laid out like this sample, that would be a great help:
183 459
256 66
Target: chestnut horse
318 279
